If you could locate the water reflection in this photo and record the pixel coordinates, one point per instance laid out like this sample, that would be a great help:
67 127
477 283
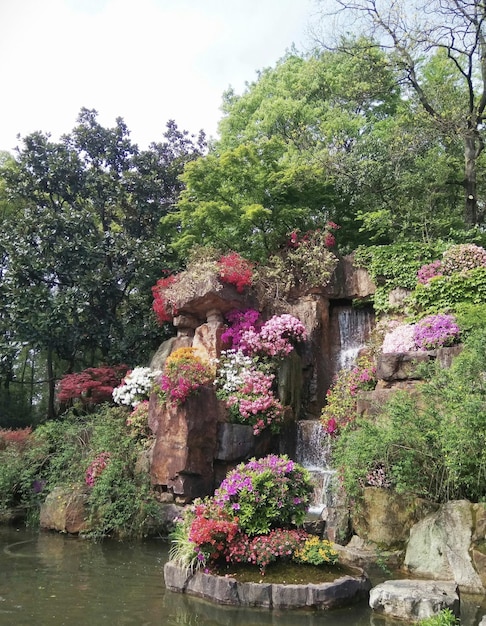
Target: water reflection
47 579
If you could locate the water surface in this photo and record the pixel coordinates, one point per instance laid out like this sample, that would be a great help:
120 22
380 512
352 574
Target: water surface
48 579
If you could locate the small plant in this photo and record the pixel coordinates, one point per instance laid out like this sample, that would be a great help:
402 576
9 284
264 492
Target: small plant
18 437
135 387
93 385
463 257
265 493
444 618
315 551
340 408
137 421
429 271
184 372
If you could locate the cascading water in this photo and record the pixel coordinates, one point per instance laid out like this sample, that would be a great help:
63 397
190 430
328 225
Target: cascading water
313 452
354 326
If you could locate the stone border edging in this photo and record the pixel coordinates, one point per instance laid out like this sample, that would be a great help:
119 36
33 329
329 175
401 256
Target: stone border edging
225 590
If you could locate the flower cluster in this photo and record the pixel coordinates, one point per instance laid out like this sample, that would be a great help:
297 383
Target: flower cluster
232 366
184 372
429 271
463 257
239 322
137 421
235 270
436 331
400 338
276 338
378 478
254 402
262 550
315 551
341 401
96 468
265 493
135 387
211 532
91 386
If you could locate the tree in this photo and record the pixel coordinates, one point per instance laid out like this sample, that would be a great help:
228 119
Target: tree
82 252
453 33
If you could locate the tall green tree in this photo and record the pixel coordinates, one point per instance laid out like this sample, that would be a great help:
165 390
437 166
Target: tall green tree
452 31
81 253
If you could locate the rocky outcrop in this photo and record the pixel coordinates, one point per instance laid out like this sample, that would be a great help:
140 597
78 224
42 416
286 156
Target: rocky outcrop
64 510
185 444
413 600
343 591
440 546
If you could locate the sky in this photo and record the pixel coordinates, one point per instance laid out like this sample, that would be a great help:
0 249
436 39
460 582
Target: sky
147 61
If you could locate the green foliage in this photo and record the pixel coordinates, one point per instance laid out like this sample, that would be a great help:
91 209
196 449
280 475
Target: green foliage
444 618
395 266
59 452
444 293
431 443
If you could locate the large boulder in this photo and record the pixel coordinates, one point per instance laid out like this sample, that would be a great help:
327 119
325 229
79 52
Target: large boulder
185 444
64 510
439 547
413 600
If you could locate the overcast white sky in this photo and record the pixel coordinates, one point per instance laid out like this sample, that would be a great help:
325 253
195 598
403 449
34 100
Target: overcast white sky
146 61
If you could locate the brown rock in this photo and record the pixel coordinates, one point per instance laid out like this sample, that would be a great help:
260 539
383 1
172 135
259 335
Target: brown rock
64 510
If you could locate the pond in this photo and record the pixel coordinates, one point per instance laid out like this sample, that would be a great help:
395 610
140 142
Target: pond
48 579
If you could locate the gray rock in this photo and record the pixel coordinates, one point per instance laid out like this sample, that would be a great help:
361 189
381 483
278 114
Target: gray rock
414 599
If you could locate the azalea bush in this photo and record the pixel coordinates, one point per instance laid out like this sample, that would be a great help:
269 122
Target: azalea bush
253 518
184 372
266 493
136 386
96 468
463 257
93 385
399 338
239 321
276 338
340 409
431 332
235 270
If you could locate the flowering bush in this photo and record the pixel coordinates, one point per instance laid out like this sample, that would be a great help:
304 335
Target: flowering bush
340 408
377 477
463 257
137 421
429 271
235 270
136 386
315 551
184 372
279 543
399 339
276 338
265 493
308 258
96 468
91 386
239 322
211 531
162 307
436 331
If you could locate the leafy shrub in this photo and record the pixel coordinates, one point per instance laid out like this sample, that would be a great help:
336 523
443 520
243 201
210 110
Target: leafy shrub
431 443
341 398
444 618
18 437
265 493
93 385
445 293
184 372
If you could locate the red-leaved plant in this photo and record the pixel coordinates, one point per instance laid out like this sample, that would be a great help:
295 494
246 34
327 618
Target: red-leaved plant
93 385
162 310
235 270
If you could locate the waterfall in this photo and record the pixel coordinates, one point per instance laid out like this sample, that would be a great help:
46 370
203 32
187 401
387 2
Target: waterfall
354 326
313 453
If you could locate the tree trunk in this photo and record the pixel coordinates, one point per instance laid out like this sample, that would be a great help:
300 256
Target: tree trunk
51 411
471 202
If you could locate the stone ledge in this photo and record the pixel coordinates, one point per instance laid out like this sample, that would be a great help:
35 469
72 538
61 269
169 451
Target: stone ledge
225 590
